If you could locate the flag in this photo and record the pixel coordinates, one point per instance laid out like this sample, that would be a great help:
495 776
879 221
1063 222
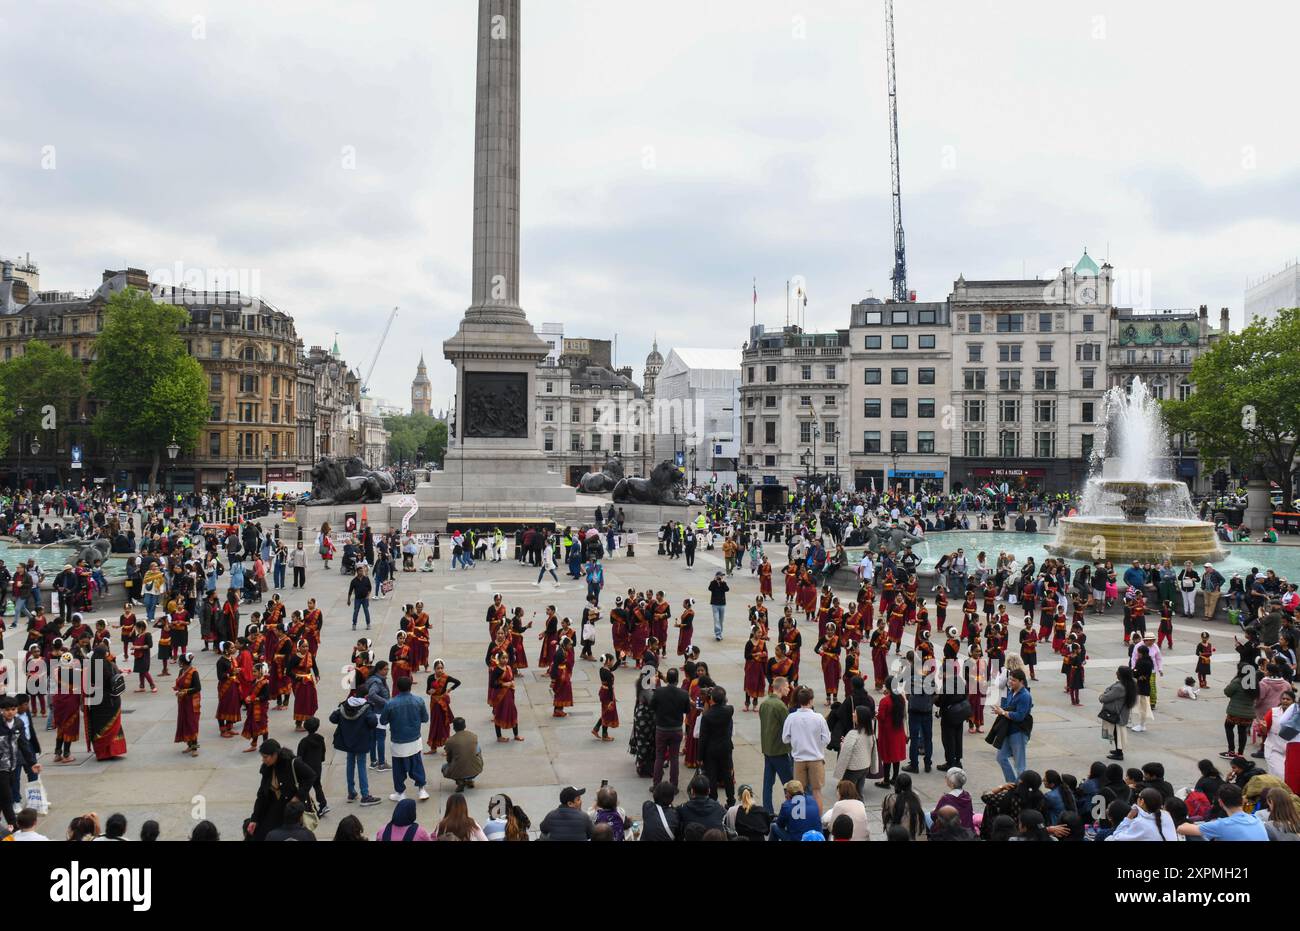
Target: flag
756 292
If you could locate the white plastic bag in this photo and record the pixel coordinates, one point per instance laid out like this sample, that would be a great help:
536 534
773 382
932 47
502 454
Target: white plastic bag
37 798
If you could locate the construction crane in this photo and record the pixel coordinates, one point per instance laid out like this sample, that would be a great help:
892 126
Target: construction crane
365 385
900 249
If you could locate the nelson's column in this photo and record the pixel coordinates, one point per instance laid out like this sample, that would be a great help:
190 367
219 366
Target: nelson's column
494 455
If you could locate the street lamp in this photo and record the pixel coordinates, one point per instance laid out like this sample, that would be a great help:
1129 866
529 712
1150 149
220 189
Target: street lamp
266 465
173 450
691 454
19 414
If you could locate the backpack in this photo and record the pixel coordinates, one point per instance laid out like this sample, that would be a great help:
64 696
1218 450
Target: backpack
117 684
1198 806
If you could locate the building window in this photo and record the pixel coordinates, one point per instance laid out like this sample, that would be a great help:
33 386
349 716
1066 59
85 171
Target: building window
898 342
769 431
1087 323
248 384
805 372
828 400
898 316
925 441
974 411
1044 323
769 401
1087 352
871 376
925 341
1131 357
1044 352
805 432
214 444
1184 390
548 414
871 441
1008 352
275 412
871 407
216 411
1088 377
925 376
974 352
1045 445
575 415
214 381
550 387
973 379
974 443
976 323
548 441
1157 354
830 431
873 318
873 342
898 407
1045 379
1009 411
215 350
925 316
1185 357
805 400
1045 412
1008 379
1009 445
636 443
618 442
1086 414
1085 444
749 433
830 373
925 408
898 441
249 354
771 373
749 374
575 442
898 376
1011 323
769 460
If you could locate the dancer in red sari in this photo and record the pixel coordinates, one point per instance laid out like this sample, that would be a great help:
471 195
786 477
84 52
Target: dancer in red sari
517 628
788 632
791 573
439 688
188 691
891 739
257 703
504 712
618 622
685 626
67 708
755 667
420 638
880 654
828 648
561 674
608 700
765 578
228 697
897 621
660 614
550 637
496 616
301 669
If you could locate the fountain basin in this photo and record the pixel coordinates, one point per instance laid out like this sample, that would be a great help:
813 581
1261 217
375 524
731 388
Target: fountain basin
1150 540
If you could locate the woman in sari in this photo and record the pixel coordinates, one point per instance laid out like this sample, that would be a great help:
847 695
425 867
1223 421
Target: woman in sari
504 712
228 697
104 714
561 673
67 709
259 698
439 688
301 671
608 701
187 688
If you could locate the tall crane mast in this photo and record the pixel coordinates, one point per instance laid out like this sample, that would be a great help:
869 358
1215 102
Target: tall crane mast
899 276
365 385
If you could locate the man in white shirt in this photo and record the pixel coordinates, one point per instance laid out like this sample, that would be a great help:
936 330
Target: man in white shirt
807 734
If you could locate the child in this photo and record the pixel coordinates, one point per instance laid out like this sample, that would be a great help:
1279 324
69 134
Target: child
1189 689
311 750
589 616
428 564
1204 650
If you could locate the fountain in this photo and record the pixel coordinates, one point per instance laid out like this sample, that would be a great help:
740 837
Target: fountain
1128 512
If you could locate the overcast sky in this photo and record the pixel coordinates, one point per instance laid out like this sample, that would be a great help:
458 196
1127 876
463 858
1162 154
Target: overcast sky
673 151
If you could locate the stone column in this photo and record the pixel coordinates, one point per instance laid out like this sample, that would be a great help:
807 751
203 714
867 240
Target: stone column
495 294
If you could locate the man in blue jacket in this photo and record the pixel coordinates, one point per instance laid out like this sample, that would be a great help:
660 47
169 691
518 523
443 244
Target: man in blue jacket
799 813
403 715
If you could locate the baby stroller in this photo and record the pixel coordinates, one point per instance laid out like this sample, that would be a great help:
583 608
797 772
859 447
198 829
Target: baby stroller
348 564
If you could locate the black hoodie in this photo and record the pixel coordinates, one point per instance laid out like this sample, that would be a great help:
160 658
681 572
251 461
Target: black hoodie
715 731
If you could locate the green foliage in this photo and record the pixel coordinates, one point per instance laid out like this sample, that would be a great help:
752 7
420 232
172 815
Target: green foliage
1246 406
150 389
41 376
410 432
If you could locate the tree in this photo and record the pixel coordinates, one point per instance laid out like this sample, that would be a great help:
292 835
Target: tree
410 433
150 389
41 378
1245 410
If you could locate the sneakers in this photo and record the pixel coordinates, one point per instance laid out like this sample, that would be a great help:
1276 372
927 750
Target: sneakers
324 810
397 796
368 800
351 799
424 794
381 767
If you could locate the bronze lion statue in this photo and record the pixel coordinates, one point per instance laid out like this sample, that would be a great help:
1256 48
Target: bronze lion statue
604 481
330 484
662 487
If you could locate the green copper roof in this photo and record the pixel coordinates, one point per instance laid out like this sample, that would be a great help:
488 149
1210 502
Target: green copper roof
335 350
1086 265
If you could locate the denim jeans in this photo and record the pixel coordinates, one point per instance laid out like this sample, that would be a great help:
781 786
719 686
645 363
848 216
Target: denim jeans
782 767
358 605
1012 748
357 761
404 766
718 612
279 576
377 747
920 727
593 590
150 606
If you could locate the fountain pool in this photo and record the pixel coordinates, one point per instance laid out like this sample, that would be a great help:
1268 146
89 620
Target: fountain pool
54 557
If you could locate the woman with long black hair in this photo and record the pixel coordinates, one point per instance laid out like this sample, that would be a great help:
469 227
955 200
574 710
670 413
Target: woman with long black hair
891 742
1117 703
903 807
